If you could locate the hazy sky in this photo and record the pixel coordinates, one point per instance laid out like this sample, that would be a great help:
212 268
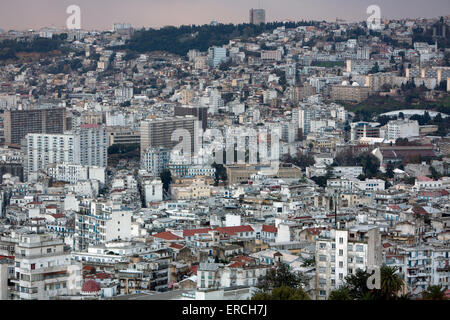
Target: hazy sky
101 14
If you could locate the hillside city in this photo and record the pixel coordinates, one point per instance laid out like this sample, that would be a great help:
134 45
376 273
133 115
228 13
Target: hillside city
226 162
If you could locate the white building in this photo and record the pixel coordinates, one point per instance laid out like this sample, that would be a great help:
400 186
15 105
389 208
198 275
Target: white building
45 149
216 56
93 145
44 269
153 191
155 160
99 222
402 129
341 252
73 173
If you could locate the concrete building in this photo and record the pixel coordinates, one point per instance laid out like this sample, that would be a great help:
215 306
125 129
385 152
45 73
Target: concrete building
73 173
44 268
122 135
155 160
402 129
99 222
18 123
257 16
153 191
216 56
45 149
158 133
93 145
341 252
200 112
349 93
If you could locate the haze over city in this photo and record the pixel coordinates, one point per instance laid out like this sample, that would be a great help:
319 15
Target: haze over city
101 14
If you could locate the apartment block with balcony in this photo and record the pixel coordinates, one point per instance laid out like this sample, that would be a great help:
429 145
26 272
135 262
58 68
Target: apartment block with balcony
43 268
340 253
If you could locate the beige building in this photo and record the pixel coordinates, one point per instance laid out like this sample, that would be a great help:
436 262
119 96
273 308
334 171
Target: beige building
197 188
243 173
122 135
349 93
158 132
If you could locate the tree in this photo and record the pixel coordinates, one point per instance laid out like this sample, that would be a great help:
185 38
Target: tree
281 276
434 174
391 283
166 179
282 293
355 287
340 294
220 174
434 292
370 164
390 170
356 284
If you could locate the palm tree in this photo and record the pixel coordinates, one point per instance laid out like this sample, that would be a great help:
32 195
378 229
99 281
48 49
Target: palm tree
340 294
434 293
391 282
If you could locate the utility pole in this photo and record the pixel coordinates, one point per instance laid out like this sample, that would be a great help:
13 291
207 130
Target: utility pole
336 193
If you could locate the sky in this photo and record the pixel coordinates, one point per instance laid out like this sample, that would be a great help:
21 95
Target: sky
101 14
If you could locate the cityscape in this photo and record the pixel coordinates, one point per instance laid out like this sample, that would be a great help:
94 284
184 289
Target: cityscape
252 161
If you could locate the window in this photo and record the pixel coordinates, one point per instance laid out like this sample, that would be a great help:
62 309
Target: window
359 248
33 266
341 252
341 240
49 250
322 258
341 264
322 245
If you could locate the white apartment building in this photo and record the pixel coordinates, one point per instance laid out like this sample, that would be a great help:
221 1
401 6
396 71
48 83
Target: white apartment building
93 145
424 183
44 268
402 129
371 185
99 222
155 160
341 252
45 149
426 265
302 117
73 173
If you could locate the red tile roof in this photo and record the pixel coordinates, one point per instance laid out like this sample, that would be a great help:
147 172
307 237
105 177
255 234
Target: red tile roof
236 264
191 232
89 126
193 269
233 230
176 246
267 228
167 235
